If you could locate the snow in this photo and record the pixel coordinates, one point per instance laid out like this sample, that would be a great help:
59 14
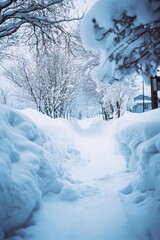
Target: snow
139 138
29 167
97 178
74 174
101 32
141 101
105 11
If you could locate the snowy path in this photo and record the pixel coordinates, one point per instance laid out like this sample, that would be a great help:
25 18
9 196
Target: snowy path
98 214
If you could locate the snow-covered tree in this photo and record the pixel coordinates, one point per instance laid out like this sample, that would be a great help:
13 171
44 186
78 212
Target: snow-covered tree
44 82
128 34
83 100
58 82
35 21
116 98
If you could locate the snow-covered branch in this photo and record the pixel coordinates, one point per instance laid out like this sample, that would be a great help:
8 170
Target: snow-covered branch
127 33
42 19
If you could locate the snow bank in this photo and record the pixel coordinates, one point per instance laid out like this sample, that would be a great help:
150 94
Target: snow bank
58 130
139 138
28 168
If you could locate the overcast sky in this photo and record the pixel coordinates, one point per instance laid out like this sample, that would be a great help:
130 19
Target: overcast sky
90 2
84 4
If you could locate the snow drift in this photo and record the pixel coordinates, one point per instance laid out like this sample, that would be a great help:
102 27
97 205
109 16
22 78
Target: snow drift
139 138
33 148
28 169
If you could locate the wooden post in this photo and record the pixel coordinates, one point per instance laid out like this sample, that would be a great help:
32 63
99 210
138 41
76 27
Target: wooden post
154 96
143 93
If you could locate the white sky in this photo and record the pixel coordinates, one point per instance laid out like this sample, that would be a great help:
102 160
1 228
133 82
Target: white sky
90 2
83 5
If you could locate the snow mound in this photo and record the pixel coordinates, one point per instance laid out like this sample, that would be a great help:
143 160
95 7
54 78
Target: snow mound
139 139
58 130
28 169
68 194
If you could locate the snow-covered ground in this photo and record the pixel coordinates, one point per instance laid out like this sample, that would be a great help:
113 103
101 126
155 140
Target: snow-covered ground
75 177
97 176
139 139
